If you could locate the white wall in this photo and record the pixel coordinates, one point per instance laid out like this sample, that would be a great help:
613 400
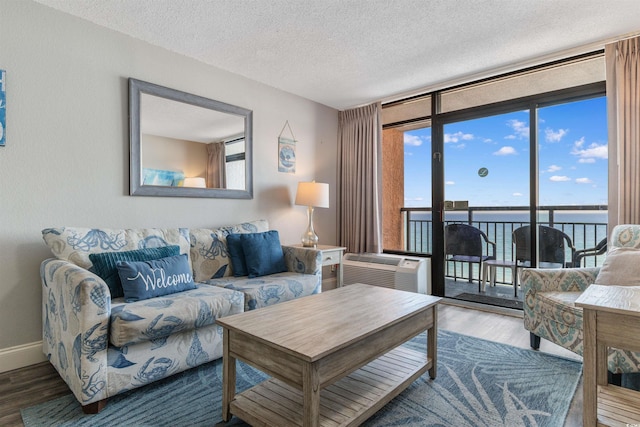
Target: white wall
66 159
160 152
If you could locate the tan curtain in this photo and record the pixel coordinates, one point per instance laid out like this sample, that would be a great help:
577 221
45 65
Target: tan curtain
216 175
623 105
359 173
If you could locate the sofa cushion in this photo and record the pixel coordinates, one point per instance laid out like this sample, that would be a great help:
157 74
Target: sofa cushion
236 254
263 253
74 244
621 267
272 289
209 253
105 263
155 319
148 279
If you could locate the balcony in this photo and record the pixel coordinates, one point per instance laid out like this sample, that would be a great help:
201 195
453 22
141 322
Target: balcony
585 225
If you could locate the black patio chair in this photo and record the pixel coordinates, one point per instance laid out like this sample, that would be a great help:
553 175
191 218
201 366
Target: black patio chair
552 244
465 243
599 249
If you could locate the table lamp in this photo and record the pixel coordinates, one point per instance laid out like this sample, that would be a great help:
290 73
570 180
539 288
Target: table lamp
313 195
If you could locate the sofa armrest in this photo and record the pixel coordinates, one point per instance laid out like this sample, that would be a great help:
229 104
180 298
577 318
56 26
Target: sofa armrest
76 306
303 260
557 279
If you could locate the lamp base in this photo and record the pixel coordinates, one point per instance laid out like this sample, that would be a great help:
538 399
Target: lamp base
310 238
308 242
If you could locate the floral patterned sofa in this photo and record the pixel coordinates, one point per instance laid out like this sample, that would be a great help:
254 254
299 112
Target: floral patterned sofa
550 294
102 346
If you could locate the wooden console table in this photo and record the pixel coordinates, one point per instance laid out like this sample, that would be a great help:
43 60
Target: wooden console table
611 319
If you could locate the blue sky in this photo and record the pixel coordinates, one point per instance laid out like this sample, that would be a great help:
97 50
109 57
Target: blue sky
572 143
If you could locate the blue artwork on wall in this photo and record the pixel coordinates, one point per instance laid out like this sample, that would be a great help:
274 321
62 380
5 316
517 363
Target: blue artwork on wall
165 178
3 108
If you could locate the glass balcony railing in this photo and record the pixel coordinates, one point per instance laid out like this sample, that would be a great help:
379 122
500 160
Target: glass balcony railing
585 225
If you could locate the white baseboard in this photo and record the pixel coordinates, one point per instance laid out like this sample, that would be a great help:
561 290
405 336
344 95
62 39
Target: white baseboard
20 356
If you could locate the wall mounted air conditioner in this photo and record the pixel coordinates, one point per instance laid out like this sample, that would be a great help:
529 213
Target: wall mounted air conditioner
390 271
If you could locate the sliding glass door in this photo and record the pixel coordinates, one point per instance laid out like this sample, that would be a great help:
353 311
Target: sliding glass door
486 191
521 154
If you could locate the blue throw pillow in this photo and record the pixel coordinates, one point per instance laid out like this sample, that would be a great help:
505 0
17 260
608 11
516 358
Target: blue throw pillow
104 264
236 254
149 279
263 253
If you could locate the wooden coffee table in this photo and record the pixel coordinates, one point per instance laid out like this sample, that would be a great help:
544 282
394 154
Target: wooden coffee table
334 357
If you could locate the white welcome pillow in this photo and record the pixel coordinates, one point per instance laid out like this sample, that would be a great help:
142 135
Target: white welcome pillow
621 267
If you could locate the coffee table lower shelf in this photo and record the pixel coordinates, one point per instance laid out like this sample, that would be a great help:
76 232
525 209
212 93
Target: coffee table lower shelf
618 406
349 401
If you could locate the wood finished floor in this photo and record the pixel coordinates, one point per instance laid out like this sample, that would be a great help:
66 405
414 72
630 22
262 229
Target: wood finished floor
39 383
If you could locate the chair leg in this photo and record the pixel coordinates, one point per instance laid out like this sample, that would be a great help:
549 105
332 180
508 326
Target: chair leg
534 341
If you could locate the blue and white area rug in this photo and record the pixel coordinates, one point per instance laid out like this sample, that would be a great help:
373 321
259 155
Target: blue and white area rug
479 383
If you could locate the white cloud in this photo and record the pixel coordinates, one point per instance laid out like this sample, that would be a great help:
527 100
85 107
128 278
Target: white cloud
450 183
413 199
456 137
559 178
413 140
520 129
553 168
583 181
517 194
555 136
505 151
591 153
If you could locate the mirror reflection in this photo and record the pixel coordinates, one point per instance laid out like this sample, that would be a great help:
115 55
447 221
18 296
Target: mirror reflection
185 145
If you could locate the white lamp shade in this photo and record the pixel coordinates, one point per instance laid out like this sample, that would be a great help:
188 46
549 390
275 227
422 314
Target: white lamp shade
314 194
197 182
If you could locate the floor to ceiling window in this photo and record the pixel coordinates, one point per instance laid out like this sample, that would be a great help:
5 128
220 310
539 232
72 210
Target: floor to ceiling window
505 162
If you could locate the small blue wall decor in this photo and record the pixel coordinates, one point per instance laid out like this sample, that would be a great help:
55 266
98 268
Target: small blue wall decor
3 108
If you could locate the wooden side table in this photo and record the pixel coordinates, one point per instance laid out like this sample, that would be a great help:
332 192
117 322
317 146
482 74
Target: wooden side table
611 319
331 255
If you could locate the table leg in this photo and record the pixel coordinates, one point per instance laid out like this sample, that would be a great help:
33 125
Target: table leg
228 377
484 276
589 379
432 343
311 395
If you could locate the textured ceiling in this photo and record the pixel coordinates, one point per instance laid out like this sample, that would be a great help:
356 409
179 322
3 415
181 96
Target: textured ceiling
345 53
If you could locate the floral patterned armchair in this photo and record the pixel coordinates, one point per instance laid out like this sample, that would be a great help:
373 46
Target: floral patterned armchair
549 309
